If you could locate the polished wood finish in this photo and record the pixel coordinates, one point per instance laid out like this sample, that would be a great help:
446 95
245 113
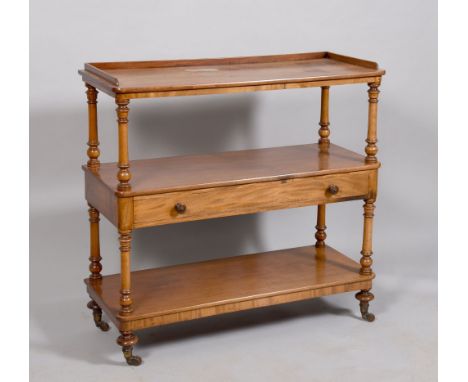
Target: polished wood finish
160 191
324 146
215 202
125 239
324 131
123 175
93 140
207 76
366 260
191 172
95 258
371 148
99 195
230 183
320 235
242 89
190 291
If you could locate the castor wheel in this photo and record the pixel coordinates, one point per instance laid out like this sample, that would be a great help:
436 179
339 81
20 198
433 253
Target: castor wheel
369 317
364 297
103 325
97 316
134 360
127 340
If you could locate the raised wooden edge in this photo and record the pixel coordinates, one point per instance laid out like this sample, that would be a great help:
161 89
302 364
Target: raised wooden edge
98 82
355 61
207 61
95 74
95 69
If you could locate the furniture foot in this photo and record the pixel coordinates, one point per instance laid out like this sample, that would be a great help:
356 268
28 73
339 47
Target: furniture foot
364 298
127 340
97 316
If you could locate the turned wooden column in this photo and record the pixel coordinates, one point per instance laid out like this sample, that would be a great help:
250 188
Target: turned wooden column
324 123
366 260
324 144
320 235
123 176
371 148
93 142
95 266
365 296
125 239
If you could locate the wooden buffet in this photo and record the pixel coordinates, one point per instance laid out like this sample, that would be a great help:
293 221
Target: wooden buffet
145 193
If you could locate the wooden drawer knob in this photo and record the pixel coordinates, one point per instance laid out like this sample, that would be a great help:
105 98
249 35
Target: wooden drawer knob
333 189
180 208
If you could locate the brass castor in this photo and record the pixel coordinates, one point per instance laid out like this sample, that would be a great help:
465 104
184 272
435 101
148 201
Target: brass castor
103 325
364 298
132 360
368 316
127 340
97 316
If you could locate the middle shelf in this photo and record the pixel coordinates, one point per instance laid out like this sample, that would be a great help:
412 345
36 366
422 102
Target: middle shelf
194 187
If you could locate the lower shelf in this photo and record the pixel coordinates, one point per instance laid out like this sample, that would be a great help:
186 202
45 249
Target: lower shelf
184 292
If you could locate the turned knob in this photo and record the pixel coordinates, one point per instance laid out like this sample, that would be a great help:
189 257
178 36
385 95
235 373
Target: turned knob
333 189
180 208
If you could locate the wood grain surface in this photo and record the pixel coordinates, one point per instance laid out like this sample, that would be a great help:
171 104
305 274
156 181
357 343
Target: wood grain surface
153 176
189 291
207 203
184 188
225 73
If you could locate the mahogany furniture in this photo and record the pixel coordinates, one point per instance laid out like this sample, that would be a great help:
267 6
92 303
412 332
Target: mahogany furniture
144 193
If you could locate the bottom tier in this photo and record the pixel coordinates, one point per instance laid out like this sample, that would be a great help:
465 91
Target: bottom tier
184 292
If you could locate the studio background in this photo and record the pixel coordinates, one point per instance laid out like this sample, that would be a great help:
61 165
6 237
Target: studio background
321 339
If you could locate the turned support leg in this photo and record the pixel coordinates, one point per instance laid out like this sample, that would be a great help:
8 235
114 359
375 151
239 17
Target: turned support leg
93 142
371 148
95 258
95 266
365 296
324 131
97 316
320 235
123 176
324 144
127 340
366 259
125 273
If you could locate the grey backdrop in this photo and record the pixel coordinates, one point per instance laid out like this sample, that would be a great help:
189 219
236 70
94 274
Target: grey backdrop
320 339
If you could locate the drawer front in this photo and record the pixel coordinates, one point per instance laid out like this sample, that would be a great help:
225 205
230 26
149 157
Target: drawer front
174 207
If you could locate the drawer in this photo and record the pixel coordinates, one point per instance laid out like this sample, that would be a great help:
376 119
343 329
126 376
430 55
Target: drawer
174 207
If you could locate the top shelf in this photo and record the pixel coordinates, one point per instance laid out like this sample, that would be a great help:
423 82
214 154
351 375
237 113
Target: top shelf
144 79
